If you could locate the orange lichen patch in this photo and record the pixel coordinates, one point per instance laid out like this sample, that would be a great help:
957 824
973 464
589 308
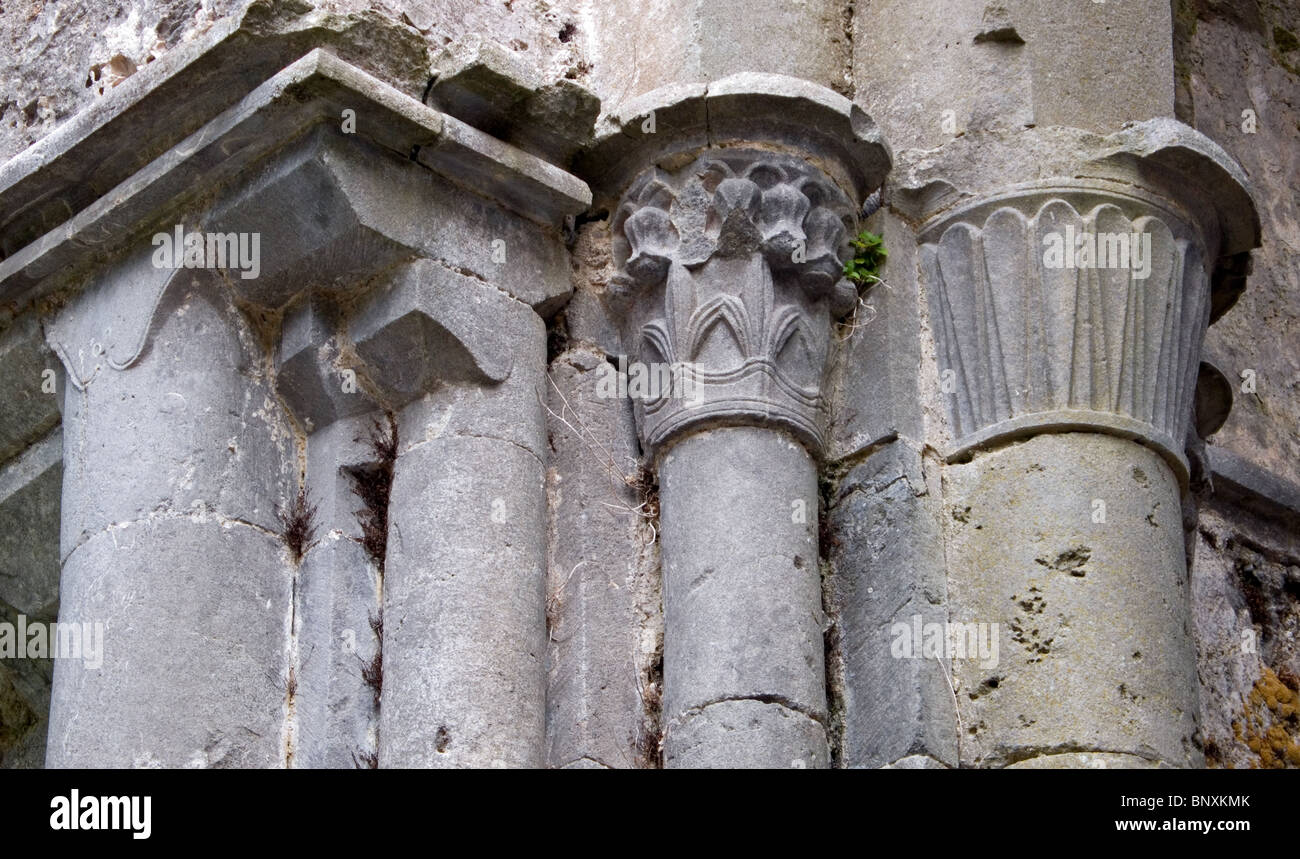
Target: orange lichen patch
1270 724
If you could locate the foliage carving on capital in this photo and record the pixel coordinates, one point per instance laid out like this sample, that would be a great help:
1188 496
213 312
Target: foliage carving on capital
731 273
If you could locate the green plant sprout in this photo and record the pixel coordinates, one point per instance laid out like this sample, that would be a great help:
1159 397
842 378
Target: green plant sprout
869 256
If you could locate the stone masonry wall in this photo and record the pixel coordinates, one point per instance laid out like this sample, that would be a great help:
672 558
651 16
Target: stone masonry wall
687 635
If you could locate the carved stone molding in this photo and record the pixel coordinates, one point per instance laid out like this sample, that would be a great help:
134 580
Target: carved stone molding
1039 339
731 274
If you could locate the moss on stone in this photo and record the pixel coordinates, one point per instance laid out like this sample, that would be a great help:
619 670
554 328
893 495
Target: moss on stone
1269 725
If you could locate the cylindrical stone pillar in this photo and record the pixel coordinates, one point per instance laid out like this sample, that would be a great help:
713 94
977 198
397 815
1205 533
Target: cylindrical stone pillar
743 651
1068 320
464 618
174 467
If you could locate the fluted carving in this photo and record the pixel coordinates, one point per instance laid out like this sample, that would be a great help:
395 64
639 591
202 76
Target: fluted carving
1040 324
731 273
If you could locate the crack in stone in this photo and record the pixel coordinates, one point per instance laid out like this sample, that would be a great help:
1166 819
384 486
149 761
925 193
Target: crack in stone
198 516
779 700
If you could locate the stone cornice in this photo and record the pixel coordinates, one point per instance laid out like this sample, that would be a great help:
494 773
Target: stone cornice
165 101
777 112
309 93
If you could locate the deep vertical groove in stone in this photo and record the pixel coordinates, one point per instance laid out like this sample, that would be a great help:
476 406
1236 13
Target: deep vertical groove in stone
373 483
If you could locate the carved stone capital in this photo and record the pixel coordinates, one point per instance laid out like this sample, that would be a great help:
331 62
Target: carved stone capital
1068 306
730 277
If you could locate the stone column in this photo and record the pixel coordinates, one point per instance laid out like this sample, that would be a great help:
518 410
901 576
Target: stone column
464 625
203 401
732 259
173 470
339 579
1068 317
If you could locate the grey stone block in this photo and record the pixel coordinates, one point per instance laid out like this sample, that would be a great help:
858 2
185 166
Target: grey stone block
1237 479
747 107
1087 761
311 92
915 762
878 392
492 89
588 322
464 615
742 591
446 222
639 48
148 112
887 558
1050 69
311 234
309 374
25 697
427 323
185 426
746 735
29 410
338 594
1095 650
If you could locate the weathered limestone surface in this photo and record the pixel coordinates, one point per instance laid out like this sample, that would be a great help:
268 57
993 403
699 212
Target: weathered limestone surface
877 392
637 47
464 584
338 595
25 699
748 734
742 593
94 56
979 438
1076 132
605 628
1246 608
179 560
30 394
887 558
30 486
930 71
1095 651
1234 58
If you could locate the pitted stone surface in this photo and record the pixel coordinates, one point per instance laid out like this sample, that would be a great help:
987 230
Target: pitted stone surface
1092 617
